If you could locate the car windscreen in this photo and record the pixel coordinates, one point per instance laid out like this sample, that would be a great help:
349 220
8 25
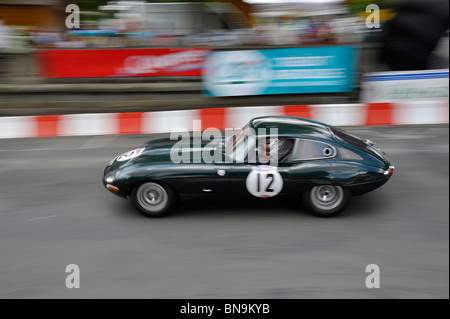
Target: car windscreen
242 147
239 144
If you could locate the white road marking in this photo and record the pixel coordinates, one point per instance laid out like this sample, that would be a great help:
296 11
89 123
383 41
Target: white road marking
402 137
400 151
28 150
94 142
43 217
389 136
98 142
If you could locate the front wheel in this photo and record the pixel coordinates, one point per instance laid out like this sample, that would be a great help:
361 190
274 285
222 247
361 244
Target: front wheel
326 200
152 199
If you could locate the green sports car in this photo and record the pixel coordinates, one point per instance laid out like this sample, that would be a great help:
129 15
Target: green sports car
270 156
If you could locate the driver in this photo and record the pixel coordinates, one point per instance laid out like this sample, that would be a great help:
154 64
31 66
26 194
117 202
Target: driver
284 146
274 151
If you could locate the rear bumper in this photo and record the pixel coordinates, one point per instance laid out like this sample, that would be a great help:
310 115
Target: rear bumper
360 189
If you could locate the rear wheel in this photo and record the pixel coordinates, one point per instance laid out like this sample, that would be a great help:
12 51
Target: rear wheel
152 199
326 200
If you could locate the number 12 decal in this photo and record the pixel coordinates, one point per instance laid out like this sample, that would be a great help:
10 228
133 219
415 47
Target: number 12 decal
264 181
268 189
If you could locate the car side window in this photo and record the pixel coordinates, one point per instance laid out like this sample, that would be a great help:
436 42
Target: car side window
309 149
279 149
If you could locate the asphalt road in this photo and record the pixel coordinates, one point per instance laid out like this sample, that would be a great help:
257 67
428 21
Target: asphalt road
54 211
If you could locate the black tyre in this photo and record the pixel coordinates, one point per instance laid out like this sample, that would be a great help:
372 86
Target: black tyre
326 200
152 199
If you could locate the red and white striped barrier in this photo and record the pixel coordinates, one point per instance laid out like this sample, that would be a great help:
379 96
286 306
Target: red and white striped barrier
429 112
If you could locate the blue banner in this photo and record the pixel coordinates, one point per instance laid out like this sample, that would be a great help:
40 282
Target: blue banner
280 71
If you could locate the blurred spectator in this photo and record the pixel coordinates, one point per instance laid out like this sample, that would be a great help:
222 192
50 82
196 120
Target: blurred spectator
139 24
311 32
46 37
325 33
71 42
5 45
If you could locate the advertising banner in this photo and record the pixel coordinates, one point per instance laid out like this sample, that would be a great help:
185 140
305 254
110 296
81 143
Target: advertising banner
384 87
121 62
280 71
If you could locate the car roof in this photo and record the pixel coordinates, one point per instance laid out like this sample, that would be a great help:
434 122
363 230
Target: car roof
289 125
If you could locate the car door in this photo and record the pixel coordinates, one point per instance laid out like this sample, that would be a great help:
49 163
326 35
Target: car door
307 164
247 179
243 179
192 179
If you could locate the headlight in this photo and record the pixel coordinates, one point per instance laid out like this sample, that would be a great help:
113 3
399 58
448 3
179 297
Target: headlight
110 179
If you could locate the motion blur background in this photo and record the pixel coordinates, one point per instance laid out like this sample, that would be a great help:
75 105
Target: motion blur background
169 61
138 42
412 35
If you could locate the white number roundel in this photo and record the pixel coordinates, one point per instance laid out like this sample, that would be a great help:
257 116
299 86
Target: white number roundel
130 154
264 181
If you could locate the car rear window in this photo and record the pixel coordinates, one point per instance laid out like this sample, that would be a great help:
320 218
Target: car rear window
308 149
348 138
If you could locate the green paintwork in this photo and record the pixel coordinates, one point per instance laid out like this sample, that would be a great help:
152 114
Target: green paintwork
359 168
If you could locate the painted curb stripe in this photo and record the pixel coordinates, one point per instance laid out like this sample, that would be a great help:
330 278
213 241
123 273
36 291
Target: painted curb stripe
401 113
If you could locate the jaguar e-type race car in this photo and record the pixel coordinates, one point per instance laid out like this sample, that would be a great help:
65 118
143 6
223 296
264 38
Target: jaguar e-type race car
270 156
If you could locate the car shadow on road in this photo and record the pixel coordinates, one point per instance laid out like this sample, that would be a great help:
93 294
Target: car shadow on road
250 207
360 206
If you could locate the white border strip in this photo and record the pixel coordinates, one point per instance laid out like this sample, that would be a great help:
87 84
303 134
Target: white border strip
18 127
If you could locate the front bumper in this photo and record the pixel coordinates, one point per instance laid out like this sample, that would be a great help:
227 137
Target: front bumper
114 186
